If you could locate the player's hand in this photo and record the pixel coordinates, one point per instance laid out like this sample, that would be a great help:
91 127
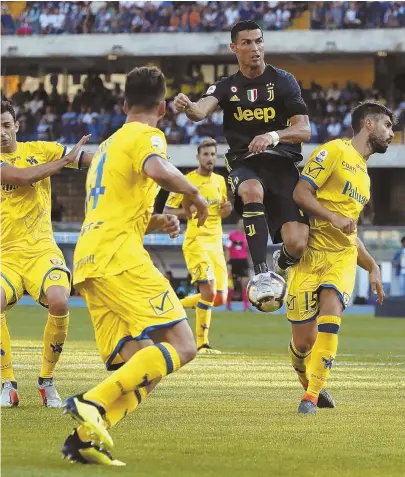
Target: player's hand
376 285
200 204
345 224
181 102
171 225
72 156
225 209
260 143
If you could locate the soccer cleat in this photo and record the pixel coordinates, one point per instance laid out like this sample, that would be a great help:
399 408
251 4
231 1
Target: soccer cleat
49 394
84 452
307 407
325 400
206 349
280 271
9 394
264 290
88 414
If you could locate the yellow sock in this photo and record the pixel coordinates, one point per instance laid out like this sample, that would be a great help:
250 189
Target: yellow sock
54 338
191 301
300 362
123 406
202 321
7 372
140 370
323 355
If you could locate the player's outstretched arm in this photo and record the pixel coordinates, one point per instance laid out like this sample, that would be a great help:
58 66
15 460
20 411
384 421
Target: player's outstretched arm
367 262
172 180
29 175
305 196
195 111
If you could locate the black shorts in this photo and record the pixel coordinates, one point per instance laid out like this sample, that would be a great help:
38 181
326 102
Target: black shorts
278 176
240 267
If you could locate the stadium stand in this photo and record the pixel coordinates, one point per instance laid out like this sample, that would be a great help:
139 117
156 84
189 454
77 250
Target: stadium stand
54 18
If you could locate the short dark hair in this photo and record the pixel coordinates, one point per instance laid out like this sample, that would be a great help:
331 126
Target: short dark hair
7 107
145 87
366 109
206 142
244 25
403 239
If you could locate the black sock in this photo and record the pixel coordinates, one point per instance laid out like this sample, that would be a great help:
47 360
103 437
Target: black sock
257 235
286 260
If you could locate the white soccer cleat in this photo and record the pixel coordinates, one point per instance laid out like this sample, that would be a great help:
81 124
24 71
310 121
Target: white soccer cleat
49 394
263 287
9 395
277 269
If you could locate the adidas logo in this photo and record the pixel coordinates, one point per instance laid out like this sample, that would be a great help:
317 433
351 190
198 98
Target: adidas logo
234 98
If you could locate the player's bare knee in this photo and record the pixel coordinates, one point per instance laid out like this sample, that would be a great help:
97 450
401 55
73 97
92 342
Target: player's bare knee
251 191
57 301
187 352
330 302
220 299
208 293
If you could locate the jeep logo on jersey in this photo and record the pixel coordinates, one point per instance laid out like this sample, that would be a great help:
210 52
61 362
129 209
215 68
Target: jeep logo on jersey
261 114
252 95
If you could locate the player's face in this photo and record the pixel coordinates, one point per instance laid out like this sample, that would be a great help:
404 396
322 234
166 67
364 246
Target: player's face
207 158
9 129
249 48
381 134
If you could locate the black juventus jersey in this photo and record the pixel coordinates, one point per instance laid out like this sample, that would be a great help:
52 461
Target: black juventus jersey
254 106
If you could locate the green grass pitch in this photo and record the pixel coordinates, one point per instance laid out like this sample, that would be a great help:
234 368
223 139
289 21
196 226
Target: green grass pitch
229 415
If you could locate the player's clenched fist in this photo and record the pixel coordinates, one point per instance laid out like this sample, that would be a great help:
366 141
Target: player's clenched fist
345 224
181 102
171 225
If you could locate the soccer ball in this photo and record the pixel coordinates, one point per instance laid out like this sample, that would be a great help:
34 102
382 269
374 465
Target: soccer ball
271 303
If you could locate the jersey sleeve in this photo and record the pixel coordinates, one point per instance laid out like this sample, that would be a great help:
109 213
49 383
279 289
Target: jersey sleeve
53 151
174 200
151 143
293 102
218 90
321 165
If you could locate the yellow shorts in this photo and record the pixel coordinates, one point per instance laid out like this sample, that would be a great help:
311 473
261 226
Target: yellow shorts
206 264
317 270
35 274
127 307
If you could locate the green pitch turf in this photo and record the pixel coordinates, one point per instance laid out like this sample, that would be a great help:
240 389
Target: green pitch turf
229 415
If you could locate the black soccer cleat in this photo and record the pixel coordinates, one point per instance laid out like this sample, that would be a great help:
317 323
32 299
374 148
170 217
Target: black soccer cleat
307 407
325 400
75 450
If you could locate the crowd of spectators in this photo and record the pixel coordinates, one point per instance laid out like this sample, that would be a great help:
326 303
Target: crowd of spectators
354 15
143 17
201 16
98 110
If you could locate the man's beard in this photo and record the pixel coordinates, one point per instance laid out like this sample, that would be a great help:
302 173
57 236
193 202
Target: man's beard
377 144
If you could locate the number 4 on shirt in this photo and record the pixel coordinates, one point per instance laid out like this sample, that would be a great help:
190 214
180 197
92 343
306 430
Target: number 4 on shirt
97 189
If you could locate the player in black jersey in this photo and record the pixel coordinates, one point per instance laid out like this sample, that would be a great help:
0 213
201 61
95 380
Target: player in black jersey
265 123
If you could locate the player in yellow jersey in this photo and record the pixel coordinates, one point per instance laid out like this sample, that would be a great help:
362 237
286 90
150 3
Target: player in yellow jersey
202 247
333 189
141 328
30 259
